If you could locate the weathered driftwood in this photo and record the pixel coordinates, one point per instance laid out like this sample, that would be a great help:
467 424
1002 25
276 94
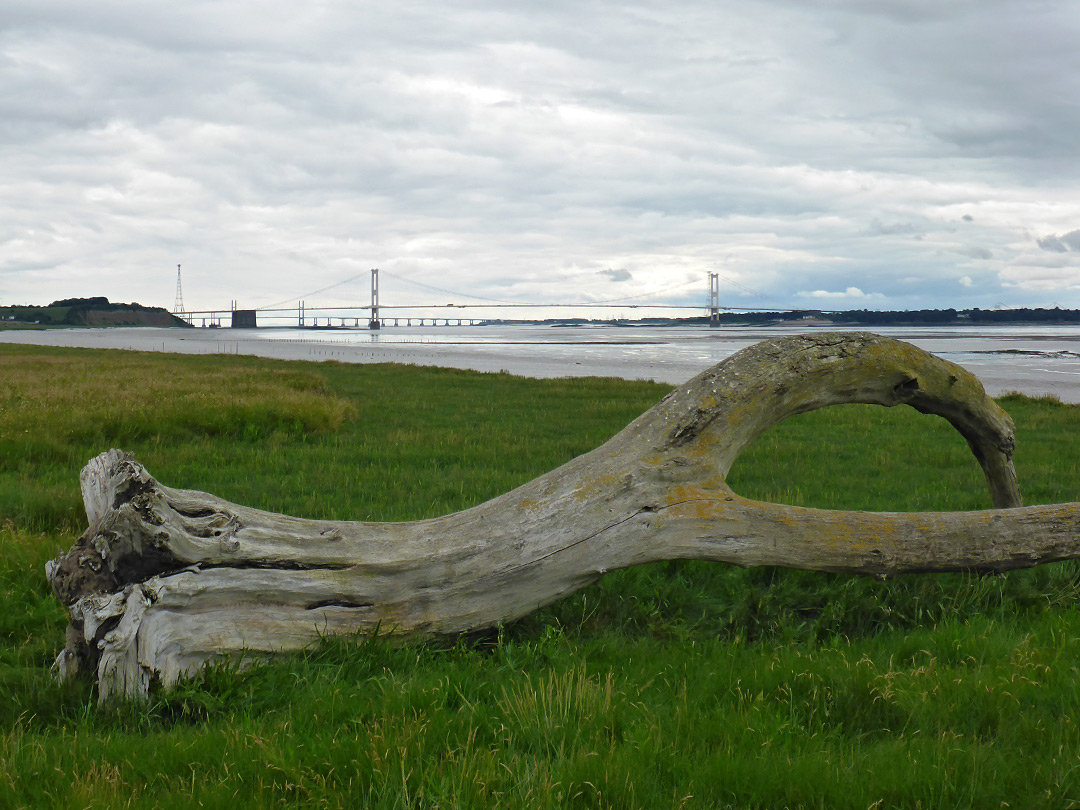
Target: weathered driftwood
164 580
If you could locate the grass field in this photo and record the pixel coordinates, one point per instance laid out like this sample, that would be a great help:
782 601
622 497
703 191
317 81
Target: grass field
671 685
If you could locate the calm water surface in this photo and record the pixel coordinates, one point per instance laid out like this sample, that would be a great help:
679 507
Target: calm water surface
1033 359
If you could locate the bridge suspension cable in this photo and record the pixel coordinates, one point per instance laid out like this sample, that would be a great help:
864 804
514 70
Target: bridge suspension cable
519 303
743 287
533 303
316 292
443 290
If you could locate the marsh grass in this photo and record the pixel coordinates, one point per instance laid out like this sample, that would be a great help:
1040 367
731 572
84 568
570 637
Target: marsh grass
679 684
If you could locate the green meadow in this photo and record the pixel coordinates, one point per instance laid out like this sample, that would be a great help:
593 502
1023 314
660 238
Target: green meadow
674 685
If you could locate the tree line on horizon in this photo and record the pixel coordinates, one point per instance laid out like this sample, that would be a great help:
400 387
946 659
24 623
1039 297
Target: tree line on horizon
94 311
949 316
867 317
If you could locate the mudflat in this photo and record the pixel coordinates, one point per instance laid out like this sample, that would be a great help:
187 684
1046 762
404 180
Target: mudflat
1033 362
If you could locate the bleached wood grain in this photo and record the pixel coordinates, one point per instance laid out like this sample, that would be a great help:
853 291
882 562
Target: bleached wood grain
164 580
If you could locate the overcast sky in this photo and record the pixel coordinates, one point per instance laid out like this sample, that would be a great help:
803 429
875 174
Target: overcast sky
845 154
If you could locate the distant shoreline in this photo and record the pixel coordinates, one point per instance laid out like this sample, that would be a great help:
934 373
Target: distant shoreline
1043 360
100 312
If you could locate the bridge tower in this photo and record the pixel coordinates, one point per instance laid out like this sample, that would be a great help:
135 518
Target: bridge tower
178 304
374 323
714 300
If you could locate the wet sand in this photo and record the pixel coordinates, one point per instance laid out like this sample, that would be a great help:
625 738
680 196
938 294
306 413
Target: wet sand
1037 364
523 359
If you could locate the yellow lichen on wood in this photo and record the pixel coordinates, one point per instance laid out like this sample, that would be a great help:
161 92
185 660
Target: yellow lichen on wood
165 581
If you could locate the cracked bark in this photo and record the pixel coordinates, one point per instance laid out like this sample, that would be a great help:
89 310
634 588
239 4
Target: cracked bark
164 579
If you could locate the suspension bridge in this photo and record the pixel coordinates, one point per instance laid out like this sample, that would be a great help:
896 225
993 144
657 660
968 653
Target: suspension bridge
376 314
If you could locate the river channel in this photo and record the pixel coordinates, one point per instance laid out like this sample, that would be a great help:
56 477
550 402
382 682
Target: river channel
1036 360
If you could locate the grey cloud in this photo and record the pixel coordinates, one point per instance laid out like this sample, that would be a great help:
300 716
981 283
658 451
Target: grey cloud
259 144
1061 244
892 229
1052 243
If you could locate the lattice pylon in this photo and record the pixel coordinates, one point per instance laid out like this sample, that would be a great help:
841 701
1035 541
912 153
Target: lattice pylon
178 305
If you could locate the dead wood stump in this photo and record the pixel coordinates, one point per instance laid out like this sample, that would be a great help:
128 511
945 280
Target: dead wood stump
164 580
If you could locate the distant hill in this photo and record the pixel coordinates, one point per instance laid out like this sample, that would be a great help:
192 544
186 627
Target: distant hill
97 311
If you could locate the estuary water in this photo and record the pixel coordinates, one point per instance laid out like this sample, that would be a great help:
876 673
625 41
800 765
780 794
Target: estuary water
1035 360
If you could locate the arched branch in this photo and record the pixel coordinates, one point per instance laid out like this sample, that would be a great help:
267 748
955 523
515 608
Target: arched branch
166 579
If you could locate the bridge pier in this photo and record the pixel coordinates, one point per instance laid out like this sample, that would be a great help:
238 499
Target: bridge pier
714 300
374 323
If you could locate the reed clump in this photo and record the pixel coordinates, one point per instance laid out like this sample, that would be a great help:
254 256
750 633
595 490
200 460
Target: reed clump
679 684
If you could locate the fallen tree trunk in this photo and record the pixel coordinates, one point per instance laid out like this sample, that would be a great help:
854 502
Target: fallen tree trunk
164 579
